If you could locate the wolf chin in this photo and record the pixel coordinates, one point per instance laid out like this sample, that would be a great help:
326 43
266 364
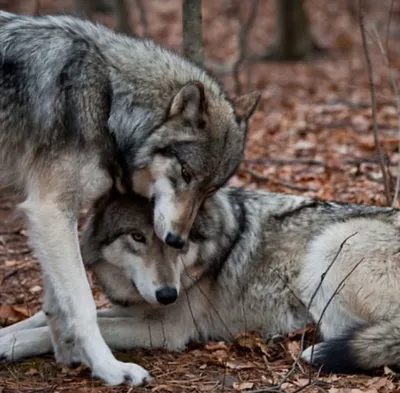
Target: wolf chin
253 261
83 109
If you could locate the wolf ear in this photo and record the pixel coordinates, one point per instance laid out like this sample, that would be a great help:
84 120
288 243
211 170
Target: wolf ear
189 102
245 105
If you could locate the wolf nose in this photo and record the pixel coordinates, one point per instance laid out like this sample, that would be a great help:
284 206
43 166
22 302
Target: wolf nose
166 295
174 240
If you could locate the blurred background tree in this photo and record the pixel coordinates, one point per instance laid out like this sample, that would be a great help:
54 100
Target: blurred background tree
293 38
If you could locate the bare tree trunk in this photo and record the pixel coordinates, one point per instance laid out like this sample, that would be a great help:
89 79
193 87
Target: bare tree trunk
293 40
86 8
192 31
27 7
122 16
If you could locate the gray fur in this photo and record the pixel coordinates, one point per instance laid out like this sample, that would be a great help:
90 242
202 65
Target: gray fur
253 261
83 109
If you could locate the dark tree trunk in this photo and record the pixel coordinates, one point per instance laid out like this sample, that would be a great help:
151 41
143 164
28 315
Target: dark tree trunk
87 8
122 17
293 40
192 31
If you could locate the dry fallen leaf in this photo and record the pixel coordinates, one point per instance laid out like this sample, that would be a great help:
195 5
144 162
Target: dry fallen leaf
32 371
294 348
14 313
299 332
237 365
35 289
243 385
252 341
215 346
378 382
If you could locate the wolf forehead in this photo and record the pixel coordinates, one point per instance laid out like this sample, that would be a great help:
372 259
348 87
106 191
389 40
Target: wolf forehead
121 215
213 161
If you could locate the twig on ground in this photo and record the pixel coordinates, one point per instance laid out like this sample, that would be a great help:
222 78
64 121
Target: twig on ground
396 91
243 33
284 161
373 101
12 273
282 183
356 104
311 162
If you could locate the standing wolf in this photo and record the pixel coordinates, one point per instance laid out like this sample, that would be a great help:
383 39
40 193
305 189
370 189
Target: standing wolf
253 261
81 109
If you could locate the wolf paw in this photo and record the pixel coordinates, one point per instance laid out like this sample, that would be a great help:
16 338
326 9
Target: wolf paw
310 355
10 349
115 372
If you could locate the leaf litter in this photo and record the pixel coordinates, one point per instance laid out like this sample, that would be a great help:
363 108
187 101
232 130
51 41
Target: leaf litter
311 135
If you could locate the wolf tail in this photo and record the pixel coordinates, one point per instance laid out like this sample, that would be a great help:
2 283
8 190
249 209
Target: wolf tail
360 351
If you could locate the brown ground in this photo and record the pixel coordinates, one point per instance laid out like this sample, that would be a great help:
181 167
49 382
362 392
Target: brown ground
312 134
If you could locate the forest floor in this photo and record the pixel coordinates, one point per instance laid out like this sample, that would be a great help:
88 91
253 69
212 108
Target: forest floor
311 135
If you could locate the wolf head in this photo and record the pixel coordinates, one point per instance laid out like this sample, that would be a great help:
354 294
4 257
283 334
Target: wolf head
191 154
130 262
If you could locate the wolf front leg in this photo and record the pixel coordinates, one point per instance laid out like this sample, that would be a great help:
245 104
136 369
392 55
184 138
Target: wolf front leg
170 328
39 320
35 321
128 333
25 343
120 333
68 303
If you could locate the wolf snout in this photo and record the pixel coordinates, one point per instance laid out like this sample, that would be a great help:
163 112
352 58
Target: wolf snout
166 295
174 240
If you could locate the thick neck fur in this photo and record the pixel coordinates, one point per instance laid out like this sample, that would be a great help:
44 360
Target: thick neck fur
224 220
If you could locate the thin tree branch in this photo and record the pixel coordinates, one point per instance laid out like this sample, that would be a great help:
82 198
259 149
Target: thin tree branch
86 8
143 17
277 388
243 33
373 101
396 91
335 293
388 25
192 31
122 16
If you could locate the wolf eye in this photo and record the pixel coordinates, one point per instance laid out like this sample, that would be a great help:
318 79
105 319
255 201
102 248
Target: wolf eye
185 175
137 237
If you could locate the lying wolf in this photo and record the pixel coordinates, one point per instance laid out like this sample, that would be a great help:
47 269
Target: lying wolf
83 109
253 261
